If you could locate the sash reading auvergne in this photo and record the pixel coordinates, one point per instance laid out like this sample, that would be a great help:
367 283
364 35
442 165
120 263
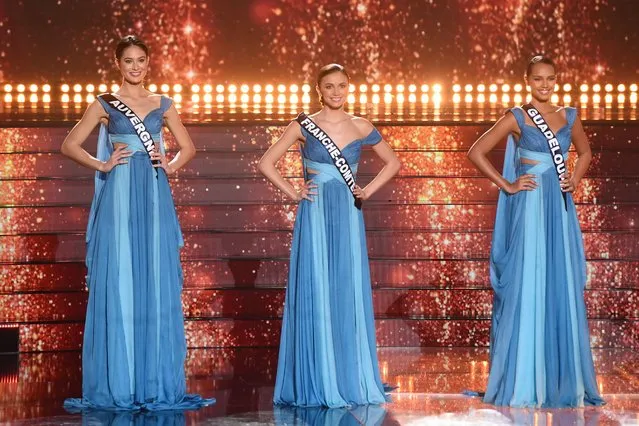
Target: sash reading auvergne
138 125
553 143
334 152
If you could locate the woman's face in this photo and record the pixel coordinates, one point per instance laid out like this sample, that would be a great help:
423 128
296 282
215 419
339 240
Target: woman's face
133 64
542 81
333 89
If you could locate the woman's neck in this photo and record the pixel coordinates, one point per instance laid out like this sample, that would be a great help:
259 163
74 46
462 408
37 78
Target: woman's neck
132 90
333 115
543 106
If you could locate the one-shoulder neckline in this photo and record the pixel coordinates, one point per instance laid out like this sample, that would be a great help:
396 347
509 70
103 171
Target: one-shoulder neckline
348 144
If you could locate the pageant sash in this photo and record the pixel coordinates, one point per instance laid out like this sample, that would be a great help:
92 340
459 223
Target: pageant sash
334 152
138 125
553 143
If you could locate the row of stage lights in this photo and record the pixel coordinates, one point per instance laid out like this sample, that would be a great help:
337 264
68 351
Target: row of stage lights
293 94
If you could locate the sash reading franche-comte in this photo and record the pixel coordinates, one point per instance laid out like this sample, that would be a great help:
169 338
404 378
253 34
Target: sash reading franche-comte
553 143
334 152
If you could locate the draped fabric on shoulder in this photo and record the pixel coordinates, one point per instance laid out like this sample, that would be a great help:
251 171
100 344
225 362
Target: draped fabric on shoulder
539 344
328 354
134 344
104 151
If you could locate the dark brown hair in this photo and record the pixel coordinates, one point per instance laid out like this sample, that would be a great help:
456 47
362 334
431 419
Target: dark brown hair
330 69
539 59
129 41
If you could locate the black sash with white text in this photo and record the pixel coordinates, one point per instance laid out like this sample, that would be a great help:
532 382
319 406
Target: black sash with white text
553 143
334 152
138 125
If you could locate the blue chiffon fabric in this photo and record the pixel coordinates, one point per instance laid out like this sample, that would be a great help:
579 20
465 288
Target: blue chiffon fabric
134 344
328 354
539 345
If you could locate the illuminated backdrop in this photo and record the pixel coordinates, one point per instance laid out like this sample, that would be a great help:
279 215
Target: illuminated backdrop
288 40
428 230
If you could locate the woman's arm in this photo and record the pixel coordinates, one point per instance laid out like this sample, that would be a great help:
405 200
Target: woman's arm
580 140
390 169
187 149
72 145
267 163
478 155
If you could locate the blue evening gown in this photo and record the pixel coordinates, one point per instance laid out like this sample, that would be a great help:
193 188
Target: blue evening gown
539 345
327 352
134 344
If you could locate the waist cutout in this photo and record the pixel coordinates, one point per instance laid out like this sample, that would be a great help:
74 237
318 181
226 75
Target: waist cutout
325 171
540 157
133 141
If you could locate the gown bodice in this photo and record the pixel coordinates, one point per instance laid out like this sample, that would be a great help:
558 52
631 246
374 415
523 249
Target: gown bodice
313 149
532 139
120 128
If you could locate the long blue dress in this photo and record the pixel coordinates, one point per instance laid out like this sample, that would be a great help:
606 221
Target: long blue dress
539 345
327 352
134 345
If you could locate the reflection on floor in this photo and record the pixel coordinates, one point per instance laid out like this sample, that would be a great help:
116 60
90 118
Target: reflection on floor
430 380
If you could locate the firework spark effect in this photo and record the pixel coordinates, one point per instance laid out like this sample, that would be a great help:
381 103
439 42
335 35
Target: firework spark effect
388 41
360 34
179 33
196 40
428 234
567 31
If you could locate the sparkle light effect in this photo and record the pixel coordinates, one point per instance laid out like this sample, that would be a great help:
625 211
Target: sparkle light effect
437 269
440 208
402 41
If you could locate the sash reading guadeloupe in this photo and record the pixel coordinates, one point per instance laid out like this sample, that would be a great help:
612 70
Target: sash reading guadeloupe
334 152
553 143
138 124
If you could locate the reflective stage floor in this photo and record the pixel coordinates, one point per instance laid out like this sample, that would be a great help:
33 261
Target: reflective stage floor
430 383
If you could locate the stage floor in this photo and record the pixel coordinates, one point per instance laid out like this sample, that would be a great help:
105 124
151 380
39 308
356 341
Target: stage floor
430 383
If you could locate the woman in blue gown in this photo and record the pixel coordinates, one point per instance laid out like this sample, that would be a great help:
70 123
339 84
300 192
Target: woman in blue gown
539 344
134 345
327 349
